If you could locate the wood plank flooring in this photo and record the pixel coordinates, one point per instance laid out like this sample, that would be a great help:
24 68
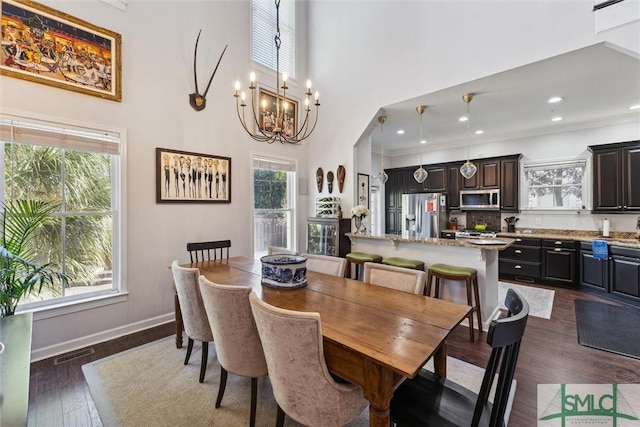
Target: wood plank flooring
550 354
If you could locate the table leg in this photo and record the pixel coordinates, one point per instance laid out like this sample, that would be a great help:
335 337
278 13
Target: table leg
178 313
378 390
440 360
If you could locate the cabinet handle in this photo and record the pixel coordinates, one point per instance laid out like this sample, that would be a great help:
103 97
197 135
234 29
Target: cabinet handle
518 251
518 240
619 207
557 250
558 243
624 207
518 267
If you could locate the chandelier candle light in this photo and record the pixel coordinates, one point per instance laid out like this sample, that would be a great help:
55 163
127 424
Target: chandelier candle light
382 175
277 133
468 169
420 174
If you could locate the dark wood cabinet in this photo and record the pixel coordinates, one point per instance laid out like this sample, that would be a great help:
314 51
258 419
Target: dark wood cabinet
509 184
326 236
624 272
437 179
453 190
487 175
616 177
594 272
559 260
394 188
522 260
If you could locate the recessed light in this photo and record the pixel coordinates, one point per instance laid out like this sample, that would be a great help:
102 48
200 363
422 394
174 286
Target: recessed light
635 107
400 132
556 119
555 99
463 119
424 141
479 132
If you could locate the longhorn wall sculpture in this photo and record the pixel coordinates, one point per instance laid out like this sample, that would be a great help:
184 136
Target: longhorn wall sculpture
196 100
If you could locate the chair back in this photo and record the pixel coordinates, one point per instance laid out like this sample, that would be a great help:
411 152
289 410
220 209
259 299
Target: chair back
198 251
399 278
194 316
504 336
274 250
326 264
301 382
238 345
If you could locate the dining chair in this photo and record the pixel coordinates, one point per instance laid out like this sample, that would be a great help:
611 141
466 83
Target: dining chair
399 278
238 345
430 400
302 385
198 250
274 250
194 316
333 265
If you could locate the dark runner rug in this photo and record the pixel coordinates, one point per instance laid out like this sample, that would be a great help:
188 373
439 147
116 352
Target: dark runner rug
608 327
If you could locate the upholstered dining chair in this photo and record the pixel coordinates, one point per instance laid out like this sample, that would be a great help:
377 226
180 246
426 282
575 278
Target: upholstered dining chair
274 250
302 385
326 264
399 278
194 316
237 342
201 251
430 400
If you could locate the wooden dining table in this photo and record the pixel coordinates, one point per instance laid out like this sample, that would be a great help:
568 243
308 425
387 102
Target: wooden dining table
374 337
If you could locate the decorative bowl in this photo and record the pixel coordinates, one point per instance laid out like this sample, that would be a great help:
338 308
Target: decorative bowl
284 271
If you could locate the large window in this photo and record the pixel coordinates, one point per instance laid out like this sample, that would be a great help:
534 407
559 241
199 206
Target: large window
263 48
274 204
78 170
557 185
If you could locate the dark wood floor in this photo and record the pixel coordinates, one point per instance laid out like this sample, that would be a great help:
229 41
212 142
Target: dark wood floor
550 354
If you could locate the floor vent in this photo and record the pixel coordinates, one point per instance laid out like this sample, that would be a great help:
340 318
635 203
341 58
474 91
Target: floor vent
72 356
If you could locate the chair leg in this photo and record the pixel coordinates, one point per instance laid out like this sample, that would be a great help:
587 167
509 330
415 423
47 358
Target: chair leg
222 386
470 302
427 290
477 296
189 348
205 359
280 417
437 294
254 401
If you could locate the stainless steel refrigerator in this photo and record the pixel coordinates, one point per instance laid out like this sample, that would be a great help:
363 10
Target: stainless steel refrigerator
424 215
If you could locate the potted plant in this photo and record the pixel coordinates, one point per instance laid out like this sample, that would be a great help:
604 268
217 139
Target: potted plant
19 274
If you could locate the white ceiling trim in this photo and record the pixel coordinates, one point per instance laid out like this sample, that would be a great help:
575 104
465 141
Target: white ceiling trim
118 4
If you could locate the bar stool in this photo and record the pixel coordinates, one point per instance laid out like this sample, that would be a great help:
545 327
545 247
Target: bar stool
466 274
413 264
359 258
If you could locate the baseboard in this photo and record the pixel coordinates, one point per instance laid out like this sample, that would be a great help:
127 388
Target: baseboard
75 344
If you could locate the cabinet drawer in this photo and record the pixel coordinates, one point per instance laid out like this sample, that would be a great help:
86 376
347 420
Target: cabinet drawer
526 241
521 253
528 269
566 244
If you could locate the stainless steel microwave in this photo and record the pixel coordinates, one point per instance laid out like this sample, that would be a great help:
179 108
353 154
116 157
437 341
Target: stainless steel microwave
480 199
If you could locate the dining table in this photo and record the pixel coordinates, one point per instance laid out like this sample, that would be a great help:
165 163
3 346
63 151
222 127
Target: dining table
373 336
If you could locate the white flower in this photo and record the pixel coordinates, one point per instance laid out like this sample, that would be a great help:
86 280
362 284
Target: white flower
360 211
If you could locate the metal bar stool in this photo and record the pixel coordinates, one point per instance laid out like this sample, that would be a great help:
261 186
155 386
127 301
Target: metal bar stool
359 258
466 274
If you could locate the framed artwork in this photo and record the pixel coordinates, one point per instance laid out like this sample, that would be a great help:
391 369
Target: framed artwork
44 45
267 107
363 189
184 177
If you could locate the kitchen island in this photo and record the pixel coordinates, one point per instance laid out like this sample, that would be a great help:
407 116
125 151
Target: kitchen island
481 254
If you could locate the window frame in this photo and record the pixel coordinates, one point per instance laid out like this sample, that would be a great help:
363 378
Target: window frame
118 293
271 68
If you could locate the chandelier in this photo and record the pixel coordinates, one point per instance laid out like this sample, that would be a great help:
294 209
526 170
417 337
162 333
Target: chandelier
382 175
420 174
468 169
281 128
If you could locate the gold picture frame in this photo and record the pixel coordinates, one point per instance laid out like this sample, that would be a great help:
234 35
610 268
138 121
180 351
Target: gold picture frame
267 110
43 45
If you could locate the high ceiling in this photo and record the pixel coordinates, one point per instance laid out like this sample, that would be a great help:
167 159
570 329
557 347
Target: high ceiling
598 85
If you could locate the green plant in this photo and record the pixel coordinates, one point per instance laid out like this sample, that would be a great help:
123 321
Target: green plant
19 273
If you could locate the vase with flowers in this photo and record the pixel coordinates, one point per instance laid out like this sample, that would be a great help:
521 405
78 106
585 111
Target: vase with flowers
358 213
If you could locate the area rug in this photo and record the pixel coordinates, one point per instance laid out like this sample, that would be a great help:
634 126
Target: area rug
540 300
150 386
608 327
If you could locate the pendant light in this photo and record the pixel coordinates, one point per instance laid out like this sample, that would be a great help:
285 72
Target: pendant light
382 175
420 174
468 169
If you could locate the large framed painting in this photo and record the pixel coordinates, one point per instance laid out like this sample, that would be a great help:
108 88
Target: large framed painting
44 45
182 176
267 106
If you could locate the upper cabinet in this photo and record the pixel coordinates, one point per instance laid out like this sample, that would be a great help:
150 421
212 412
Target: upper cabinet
487 176
616 177
509 184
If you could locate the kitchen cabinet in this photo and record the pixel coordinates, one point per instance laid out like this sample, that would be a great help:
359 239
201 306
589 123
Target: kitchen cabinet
487 175
453 188
624 272
559 261
594 272
436 181
616 177
522 260
394 188
509 184
326 236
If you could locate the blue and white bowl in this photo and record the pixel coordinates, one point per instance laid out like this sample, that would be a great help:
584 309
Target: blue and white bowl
284 271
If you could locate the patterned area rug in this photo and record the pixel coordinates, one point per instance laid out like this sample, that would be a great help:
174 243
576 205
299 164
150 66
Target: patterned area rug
540 300
150 386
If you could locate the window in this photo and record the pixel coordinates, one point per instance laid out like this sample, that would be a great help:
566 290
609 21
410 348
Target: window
558 185
79 170
263 48
274 204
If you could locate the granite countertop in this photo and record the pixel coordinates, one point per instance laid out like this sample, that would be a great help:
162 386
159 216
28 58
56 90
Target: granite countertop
495 244
624 239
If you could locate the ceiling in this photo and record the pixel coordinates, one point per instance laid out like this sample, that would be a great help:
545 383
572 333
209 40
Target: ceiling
598 85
